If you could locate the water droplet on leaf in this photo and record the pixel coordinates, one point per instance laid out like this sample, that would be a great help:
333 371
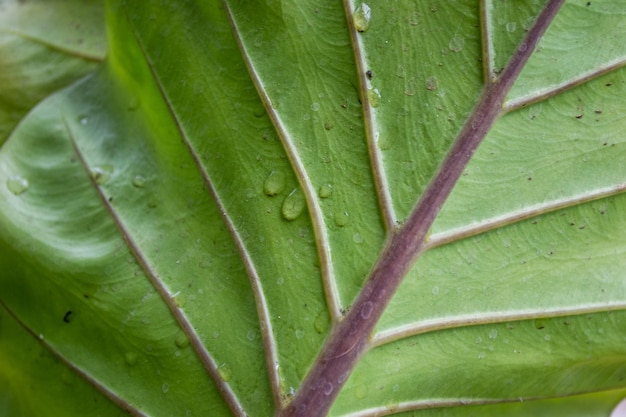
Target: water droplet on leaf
133 103
374 97
362 17
182 341
341 218
511 27
431 83
456 44
165 387
321 322
101 174
180 300
139 181
299 333
326 191
225 372
384 143
328 388
366 310
293 205
274 184
17 184
130 358
493 334
360 392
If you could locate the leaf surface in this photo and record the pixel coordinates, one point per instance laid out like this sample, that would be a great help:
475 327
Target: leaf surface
195 219
45 46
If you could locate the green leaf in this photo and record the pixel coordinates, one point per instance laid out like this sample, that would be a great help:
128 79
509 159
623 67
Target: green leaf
44 46
193 227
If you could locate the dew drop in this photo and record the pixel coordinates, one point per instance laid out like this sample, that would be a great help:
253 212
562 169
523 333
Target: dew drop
165 387
321 322
280 281
328 388
511 27
326 191
153 202
17 184
374 97
133 103
362 17
343 377
456 44
366 310
493 334
341 218
293 205
83 121
315 106
182 341
528 23
225 372
432 83
299 333
130 358
357 238
139 181
481 355
180 300
274 184
391 405
361 391
384 143
251 335
523 47
101 174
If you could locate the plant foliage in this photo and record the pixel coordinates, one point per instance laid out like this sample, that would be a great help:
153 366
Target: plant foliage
191 222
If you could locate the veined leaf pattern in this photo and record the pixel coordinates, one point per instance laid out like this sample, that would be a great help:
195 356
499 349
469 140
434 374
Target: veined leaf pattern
193 228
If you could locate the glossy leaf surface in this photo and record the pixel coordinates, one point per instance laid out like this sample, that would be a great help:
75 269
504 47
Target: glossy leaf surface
183 230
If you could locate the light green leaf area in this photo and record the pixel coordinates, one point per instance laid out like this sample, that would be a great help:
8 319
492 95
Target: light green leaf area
181 230
45 46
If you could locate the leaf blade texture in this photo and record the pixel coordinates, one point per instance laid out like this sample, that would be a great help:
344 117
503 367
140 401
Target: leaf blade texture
183 229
